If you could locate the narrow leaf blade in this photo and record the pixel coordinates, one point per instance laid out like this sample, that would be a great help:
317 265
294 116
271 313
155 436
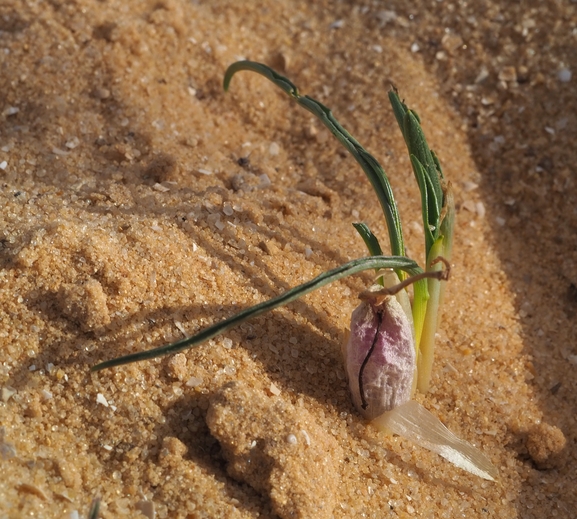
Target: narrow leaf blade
347 269
417 145
286 84
370 165
428 208
369 238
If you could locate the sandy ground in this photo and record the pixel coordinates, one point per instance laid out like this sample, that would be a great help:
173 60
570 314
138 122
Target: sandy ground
127 221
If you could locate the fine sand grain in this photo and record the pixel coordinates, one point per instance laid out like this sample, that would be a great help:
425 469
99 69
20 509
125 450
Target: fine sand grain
140 203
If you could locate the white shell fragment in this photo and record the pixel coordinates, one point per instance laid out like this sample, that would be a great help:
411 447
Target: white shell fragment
101 399
415 423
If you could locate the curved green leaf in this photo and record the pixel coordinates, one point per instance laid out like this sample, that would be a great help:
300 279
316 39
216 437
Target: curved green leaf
371 242
421 177
418 147
369 238
370 165
426 167
348 269
399 109
286 84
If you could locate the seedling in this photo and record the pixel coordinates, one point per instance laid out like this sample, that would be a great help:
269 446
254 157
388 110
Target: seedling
391 345
437 214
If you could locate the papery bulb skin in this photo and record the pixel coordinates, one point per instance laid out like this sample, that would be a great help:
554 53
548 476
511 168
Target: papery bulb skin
387 379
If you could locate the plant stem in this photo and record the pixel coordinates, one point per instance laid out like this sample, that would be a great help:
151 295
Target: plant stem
427 344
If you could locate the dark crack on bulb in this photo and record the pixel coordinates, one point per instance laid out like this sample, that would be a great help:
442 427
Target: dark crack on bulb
364 403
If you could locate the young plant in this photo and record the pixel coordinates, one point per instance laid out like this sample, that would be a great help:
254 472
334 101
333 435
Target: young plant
391 343
437 211
436 200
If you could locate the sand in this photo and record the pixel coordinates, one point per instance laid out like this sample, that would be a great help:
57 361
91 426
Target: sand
141 203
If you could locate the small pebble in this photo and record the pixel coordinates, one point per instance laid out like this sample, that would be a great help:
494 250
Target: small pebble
274 149
508 74
176 366
546 444
72 143
469 186
160 188
564 75
7 393
480 209
194 382
11 110
146 508
32 489
274 390
264 181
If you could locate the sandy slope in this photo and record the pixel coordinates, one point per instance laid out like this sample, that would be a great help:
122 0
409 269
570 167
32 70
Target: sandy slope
127 220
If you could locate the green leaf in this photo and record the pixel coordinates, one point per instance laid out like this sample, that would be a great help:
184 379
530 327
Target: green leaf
369 238
399 109
348 269
286 84
426 168
370 165
448 221
370 241
437 165
421 177
417 145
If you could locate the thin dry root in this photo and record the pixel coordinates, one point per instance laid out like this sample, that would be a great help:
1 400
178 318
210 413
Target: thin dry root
378 296
444 274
